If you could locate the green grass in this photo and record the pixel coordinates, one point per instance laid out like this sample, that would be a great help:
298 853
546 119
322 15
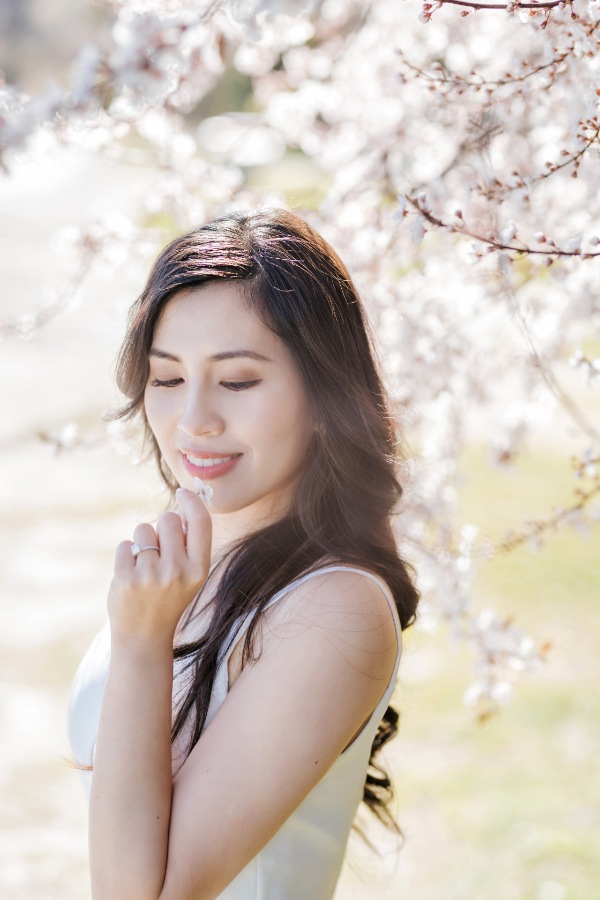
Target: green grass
514 800
564 573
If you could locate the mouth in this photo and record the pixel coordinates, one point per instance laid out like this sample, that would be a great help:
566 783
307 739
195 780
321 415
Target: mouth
207 467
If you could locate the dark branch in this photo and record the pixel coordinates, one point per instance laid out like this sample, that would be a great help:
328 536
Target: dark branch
450 79
498 190
553 252
552 4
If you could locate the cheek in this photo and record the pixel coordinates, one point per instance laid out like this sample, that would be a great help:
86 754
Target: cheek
290 420
150 410
160 412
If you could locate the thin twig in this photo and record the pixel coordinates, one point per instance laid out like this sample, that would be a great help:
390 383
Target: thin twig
493 242
449 78
552 4
567 403
536 529
494 192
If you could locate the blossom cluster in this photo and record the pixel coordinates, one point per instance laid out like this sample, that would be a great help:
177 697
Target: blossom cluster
457 170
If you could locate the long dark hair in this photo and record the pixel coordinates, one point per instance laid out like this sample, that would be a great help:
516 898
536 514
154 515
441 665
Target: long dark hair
349 489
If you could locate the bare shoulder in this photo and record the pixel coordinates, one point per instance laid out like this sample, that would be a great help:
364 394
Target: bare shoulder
344 611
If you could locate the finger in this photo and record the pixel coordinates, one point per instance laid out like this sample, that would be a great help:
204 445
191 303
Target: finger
124 561
171 537
199 527
145 535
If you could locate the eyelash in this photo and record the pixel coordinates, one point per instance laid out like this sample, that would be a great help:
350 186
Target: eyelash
172 382
240 385
230 385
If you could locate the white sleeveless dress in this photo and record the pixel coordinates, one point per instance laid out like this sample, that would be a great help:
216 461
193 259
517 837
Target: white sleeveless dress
302 861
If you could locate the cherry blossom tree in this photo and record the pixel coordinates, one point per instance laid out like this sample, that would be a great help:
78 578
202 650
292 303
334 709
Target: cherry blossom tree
455 155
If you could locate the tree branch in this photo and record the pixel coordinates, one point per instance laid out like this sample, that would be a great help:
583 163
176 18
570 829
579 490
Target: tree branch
452 80
534 530
498 190
571 408
551 4
493 242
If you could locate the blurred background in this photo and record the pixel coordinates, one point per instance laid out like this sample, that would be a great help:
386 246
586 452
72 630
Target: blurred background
494 803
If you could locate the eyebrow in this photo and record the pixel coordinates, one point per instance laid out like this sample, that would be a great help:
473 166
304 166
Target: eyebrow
216 357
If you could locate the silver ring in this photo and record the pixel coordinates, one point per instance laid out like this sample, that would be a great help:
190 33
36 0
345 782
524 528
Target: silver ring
136 549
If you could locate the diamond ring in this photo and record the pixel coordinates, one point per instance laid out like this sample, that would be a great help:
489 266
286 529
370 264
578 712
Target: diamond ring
136 549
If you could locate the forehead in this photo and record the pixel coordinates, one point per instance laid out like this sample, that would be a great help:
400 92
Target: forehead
215 316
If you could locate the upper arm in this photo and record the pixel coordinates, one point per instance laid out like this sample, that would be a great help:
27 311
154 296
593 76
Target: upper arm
327 653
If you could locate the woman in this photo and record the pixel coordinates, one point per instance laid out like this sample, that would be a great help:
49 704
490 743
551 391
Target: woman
237 771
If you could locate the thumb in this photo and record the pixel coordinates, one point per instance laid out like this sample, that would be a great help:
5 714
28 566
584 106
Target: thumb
204 491
198 525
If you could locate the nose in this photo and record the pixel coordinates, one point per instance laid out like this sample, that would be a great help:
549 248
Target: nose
199 415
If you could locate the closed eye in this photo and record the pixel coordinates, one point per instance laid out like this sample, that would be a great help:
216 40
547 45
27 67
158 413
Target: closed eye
240 385
172 382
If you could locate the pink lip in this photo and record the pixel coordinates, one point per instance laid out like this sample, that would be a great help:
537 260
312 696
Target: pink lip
208 472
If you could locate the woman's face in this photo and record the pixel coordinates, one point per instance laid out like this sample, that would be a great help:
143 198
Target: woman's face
226 402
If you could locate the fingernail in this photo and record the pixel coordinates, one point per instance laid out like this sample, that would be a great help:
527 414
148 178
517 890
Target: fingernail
204 491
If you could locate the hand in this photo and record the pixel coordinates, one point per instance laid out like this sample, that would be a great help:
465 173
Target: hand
150 592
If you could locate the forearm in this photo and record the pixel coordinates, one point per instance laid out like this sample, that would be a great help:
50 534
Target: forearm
130 800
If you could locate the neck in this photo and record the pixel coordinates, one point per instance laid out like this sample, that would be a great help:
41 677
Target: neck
228 528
